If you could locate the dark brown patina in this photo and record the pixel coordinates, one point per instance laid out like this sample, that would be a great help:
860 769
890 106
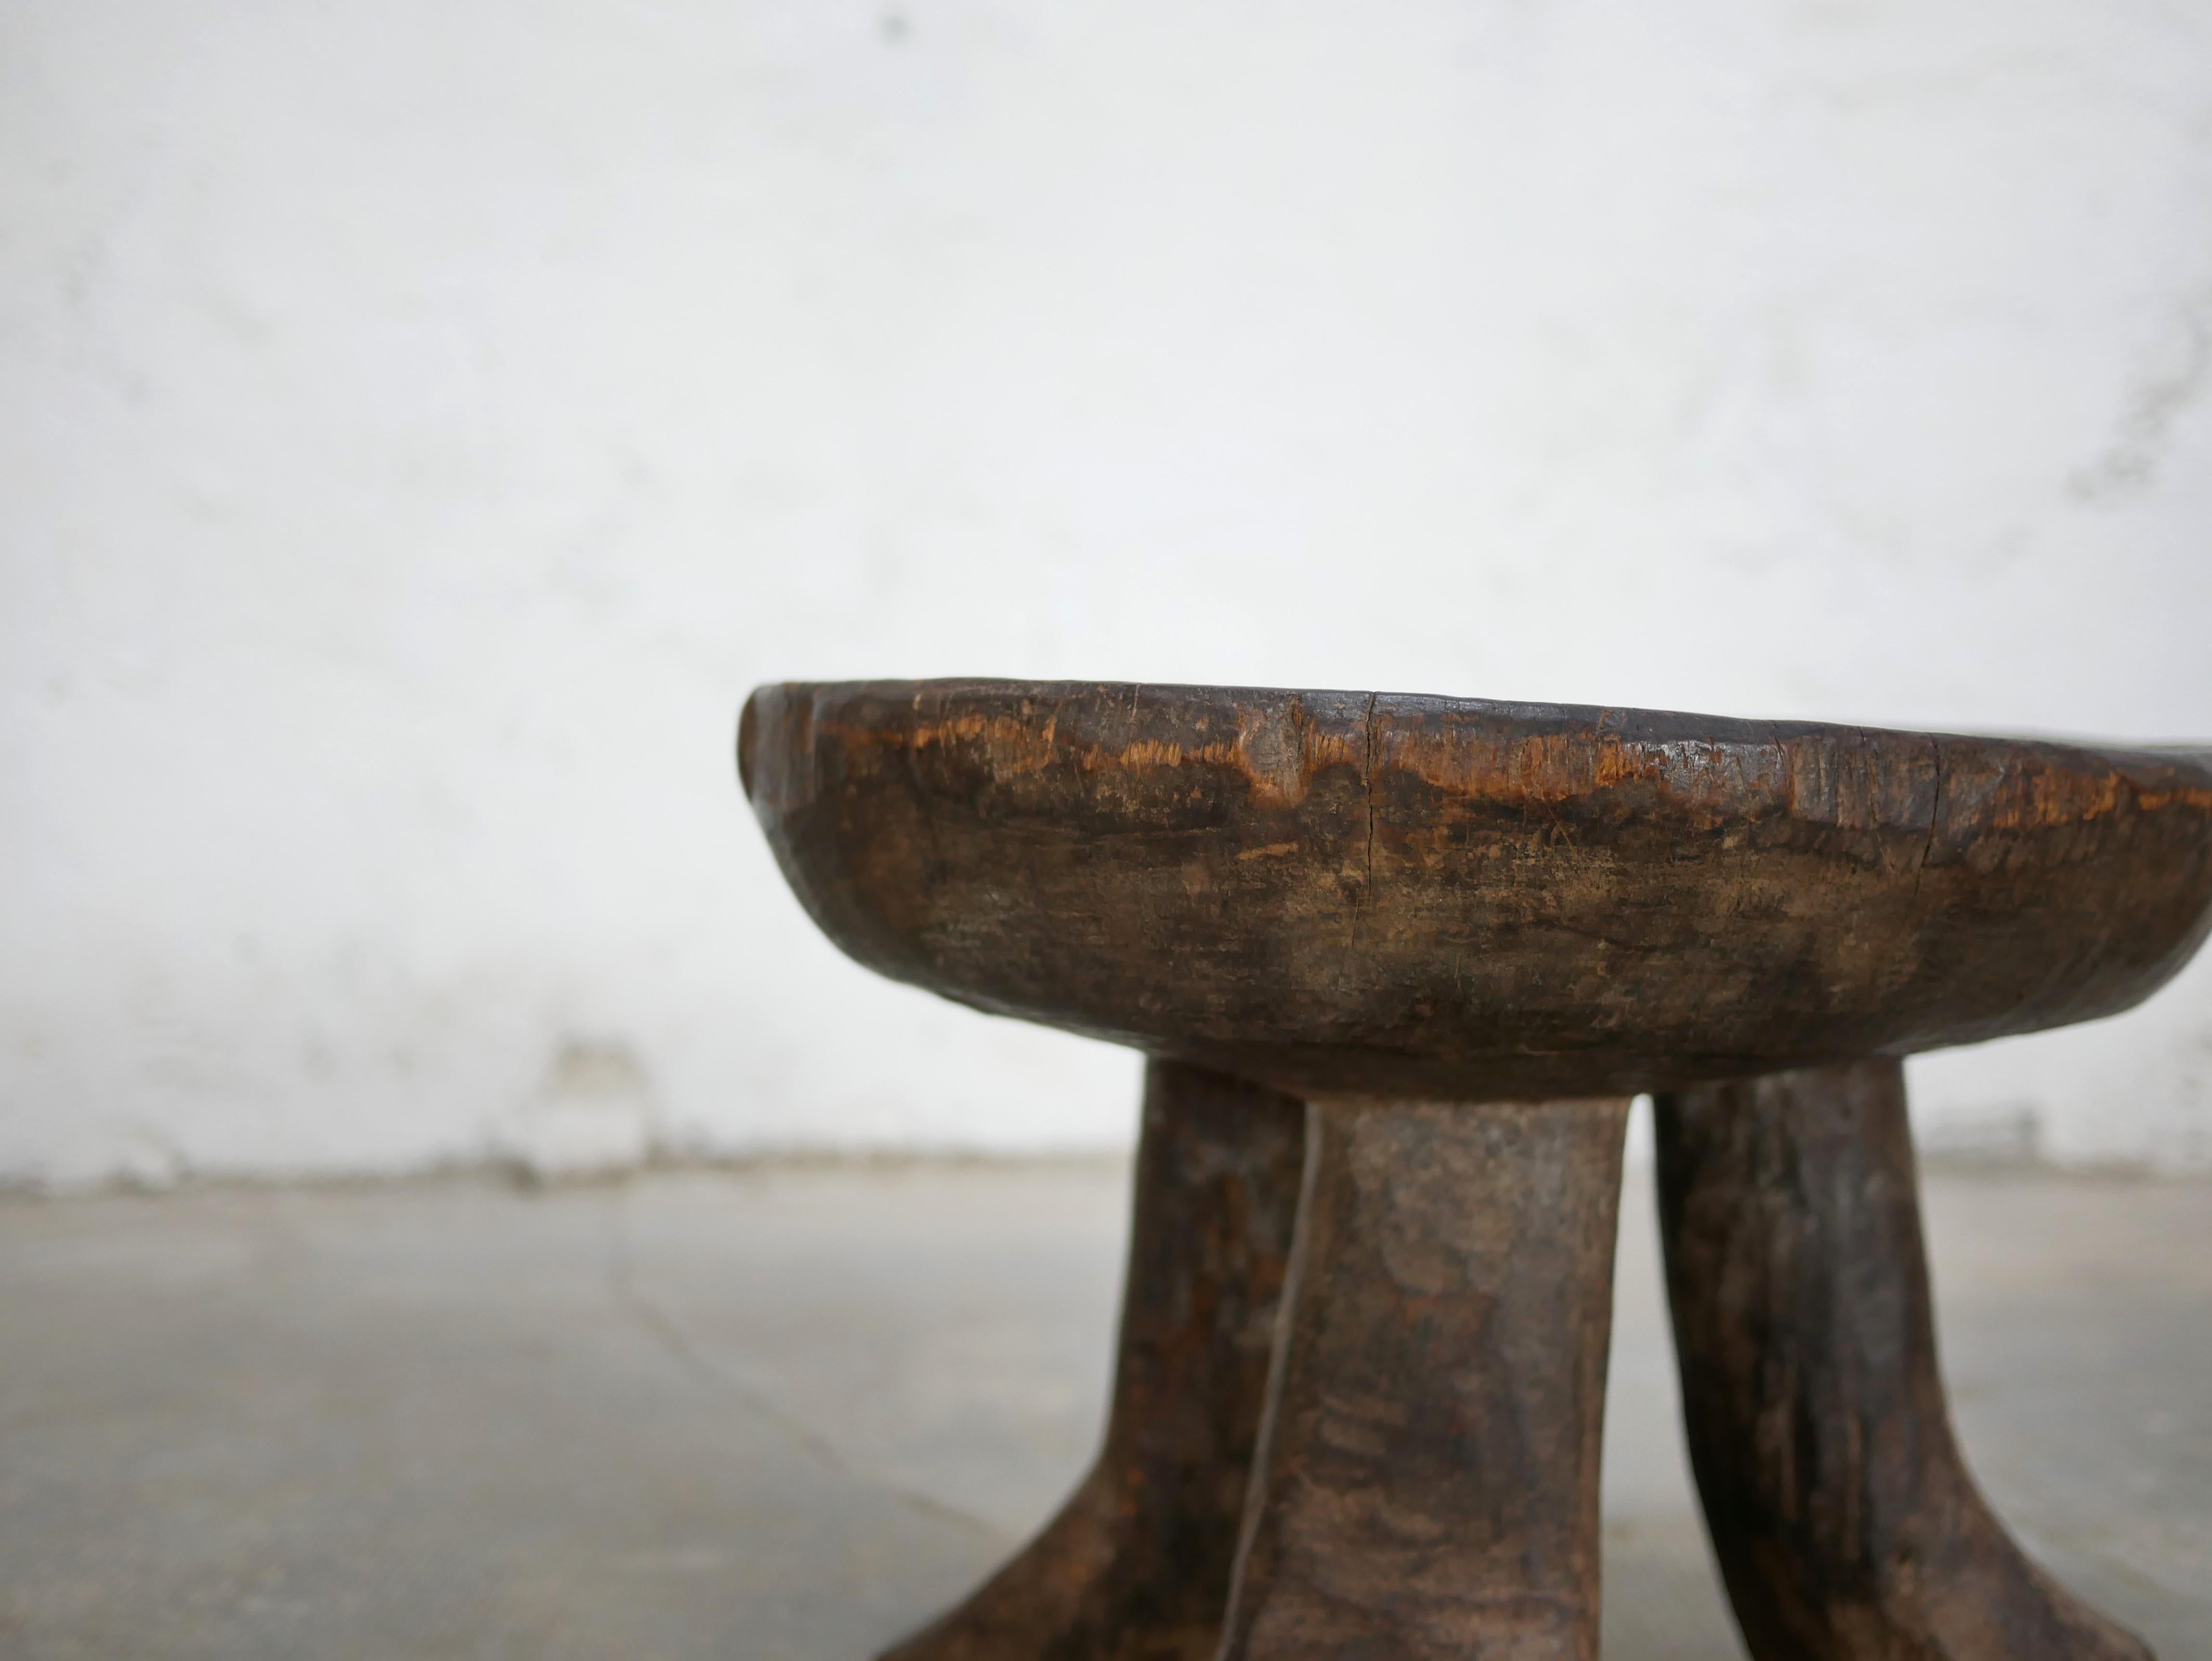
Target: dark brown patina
1464 933
1354 892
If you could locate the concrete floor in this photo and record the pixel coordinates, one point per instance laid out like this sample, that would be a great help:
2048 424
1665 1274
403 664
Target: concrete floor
788 1414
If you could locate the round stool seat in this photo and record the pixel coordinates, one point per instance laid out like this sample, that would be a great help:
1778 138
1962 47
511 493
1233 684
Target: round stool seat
1352 891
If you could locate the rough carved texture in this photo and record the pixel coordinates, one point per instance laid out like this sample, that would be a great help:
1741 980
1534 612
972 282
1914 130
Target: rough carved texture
1135 1567
1847 1526
1455 923
1428 1486
1343 891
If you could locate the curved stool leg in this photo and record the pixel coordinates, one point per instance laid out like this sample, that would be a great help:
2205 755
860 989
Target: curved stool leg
1843 1518
1427 1485
1135 1566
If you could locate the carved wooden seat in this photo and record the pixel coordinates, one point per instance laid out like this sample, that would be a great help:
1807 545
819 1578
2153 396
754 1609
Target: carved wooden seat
1463 935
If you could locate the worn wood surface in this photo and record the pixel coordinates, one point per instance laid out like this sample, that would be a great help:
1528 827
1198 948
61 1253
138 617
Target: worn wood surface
1427 1484
1409 908
1359 893
1847 1526
1135 1566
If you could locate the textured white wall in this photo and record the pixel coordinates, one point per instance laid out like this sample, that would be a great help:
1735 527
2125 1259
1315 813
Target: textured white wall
419 424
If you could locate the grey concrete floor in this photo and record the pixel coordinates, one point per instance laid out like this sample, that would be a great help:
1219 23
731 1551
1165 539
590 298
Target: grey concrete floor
787 1414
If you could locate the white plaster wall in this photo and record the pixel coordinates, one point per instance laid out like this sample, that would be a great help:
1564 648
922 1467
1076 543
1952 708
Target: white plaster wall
421 423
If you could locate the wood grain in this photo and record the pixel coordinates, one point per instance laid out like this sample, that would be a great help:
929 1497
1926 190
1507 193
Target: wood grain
1846 1524
1428 1480
1135 1566
1357 892
1465 930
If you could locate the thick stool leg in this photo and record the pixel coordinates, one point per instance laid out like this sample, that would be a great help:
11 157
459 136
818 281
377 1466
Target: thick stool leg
1846 1525
1135 1566
1427 1483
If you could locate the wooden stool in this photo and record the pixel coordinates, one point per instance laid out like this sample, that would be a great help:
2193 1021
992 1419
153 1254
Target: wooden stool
1464 935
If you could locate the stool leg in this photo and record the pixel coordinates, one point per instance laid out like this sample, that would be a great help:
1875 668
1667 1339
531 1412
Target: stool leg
1846 1525
1135 1566
1427 1484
